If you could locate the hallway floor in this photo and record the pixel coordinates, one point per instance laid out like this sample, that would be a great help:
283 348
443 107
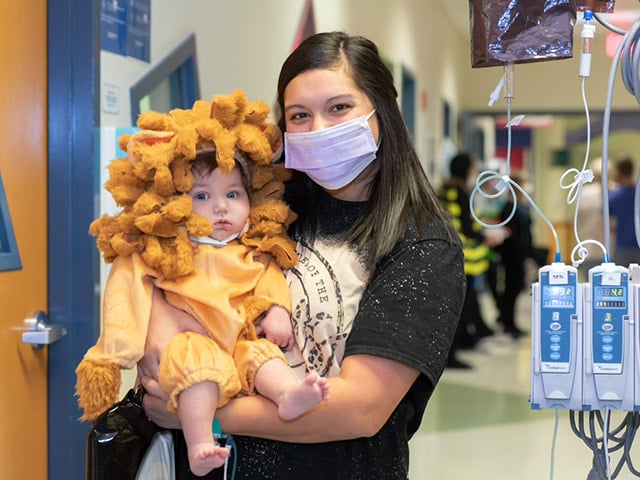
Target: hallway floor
479 424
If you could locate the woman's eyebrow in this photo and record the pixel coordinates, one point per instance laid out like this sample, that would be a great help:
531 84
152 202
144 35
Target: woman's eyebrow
334 99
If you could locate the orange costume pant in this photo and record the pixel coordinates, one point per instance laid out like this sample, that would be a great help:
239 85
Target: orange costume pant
192 358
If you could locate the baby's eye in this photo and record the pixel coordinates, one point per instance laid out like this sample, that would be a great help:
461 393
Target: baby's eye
201 196
233 195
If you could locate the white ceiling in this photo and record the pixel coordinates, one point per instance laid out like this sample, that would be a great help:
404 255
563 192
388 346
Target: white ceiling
458 10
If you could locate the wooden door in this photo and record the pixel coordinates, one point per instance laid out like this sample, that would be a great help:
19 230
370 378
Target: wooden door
23 169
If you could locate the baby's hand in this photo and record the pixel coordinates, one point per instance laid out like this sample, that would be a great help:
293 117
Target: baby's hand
276 327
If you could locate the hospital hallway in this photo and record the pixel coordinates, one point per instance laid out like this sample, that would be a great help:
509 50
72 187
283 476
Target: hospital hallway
479 424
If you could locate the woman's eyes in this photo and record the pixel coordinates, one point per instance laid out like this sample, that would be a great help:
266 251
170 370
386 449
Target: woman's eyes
337 108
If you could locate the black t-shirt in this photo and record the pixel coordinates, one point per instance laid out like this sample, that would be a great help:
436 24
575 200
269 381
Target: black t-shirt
407 312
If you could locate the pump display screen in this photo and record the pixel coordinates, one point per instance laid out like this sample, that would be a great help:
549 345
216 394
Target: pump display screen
558 296
610 297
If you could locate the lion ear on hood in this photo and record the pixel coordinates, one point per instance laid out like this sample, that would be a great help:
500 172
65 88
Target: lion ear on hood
142 139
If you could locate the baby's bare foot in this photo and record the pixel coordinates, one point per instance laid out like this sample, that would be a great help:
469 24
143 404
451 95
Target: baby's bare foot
303 397
204 457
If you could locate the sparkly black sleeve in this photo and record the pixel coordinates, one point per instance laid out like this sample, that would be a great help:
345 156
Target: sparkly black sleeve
411 306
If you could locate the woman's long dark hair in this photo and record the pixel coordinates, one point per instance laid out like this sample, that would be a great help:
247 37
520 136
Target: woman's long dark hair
400 191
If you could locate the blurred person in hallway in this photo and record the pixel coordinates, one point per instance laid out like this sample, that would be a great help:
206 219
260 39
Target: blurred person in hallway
622 208
454 194
513 252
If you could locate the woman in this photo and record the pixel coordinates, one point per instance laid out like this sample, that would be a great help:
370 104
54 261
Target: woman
379 286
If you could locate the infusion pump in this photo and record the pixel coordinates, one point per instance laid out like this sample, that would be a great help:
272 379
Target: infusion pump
584 350
556 338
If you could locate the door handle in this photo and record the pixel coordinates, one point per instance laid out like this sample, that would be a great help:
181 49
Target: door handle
39 332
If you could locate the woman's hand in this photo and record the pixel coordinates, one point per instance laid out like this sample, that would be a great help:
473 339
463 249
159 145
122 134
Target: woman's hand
155 404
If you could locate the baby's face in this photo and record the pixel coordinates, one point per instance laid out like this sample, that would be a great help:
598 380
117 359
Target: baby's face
223 200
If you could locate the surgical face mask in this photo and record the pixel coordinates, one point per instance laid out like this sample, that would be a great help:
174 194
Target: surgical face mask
335 156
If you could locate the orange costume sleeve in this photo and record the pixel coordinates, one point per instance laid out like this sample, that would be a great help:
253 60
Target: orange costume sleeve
126 310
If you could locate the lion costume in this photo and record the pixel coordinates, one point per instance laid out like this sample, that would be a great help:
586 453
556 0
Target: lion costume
149 243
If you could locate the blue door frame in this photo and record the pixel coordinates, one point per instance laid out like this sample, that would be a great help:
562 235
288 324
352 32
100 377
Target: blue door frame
73 120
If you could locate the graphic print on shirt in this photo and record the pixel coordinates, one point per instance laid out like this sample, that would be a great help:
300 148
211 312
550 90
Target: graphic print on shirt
326 286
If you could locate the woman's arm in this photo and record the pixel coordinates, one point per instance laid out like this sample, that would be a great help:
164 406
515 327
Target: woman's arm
362 399
370 387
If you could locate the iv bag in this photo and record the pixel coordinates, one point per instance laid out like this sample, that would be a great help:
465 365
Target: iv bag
520 31
596 6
